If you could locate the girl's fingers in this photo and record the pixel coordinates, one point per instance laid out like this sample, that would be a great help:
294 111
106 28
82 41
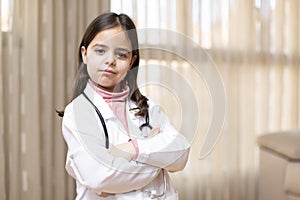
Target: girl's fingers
154 132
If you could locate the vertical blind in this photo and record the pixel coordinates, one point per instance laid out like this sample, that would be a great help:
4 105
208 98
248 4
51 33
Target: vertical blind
254 45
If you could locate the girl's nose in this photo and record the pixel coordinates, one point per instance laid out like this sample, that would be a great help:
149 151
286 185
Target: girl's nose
110 59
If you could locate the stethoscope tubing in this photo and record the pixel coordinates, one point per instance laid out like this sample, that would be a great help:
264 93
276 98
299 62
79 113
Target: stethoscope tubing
101 119
144 125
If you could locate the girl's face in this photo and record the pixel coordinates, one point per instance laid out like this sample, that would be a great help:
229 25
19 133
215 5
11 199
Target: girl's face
108 58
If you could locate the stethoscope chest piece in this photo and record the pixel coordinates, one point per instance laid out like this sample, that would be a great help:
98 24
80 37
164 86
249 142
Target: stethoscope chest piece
145 128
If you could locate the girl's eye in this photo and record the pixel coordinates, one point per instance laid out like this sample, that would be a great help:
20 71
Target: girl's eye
122 55
100 51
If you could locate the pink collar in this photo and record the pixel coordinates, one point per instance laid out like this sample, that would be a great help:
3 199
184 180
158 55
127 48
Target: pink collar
111 96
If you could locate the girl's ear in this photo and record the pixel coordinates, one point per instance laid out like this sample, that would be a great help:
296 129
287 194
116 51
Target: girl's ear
132 60
83 54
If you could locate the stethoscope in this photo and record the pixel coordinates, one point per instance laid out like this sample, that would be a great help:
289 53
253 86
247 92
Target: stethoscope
144 128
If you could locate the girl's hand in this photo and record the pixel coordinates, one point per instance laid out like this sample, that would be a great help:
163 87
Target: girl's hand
154 132
125 150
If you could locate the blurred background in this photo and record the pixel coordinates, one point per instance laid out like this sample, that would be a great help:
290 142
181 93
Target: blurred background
254 44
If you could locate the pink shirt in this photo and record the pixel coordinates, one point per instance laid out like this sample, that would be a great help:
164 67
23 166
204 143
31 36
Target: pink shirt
116 101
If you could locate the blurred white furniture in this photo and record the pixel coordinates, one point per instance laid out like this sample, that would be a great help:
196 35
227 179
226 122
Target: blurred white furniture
279 177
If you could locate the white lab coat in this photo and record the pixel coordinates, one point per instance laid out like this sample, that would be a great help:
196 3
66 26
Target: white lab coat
97 172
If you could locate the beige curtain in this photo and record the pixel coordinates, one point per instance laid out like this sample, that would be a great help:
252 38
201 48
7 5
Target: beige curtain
255 45
38 61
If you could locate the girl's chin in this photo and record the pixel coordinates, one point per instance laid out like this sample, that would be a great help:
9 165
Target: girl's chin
107 87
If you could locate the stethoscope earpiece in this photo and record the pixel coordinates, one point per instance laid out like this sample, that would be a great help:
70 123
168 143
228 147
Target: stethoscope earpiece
153 193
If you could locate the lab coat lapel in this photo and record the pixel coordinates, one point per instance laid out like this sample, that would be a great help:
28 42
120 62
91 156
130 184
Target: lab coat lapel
99 102
104 108
133 121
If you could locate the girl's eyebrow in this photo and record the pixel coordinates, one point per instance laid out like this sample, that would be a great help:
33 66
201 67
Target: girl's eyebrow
99 45
123 49
105 46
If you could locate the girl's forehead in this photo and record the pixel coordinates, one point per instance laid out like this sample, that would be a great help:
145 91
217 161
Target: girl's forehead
112 37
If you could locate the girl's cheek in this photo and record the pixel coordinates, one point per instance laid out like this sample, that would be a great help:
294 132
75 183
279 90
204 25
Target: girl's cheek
95 60
124 65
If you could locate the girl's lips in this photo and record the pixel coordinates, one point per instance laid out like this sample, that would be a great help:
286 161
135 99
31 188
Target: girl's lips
108 72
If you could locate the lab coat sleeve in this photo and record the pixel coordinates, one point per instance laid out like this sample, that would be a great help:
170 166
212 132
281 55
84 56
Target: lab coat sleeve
169 149
101 172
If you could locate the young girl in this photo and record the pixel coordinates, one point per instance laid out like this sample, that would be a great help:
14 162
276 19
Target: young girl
120 144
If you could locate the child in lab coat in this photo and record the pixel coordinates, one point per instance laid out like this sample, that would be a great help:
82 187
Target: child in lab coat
121 145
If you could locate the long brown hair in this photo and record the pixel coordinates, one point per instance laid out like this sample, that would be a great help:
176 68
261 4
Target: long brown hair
100 23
